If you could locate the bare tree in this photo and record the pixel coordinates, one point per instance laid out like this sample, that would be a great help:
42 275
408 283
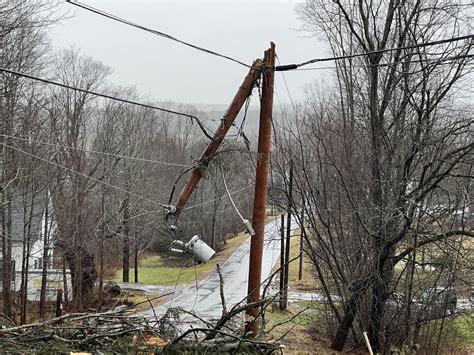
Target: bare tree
71 115
373 163
24 45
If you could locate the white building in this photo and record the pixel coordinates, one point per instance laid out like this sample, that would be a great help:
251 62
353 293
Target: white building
27 232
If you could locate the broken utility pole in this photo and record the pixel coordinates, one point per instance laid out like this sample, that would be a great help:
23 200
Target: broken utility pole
261 186
245 90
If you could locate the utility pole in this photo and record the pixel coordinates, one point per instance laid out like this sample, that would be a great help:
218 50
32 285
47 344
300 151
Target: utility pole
244 91
261 186
300 271
282 260
288 238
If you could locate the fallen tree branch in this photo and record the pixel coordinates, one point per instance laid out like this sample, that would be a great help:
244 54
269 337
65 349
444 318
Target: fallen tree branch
221 289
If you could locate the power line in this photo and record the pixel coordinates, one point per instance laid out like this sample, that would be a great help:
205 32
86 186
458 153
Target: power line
215 199
245 221
441 61
287 88
158 33
327 59
230 197
97 152
87 176
162 109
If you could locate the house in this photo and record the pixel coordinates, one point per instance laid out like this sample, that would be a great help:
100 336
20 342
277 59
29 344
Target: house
29 223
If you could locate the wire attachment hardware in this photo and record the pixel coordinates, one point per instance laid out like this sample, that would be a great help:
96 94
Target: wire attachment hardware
249 227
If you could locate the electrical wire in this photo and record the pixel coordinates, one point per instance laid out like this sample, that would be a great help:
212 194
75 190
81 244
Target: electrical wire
97 152
328 59
150 30
153 107
246 109
87 176
215 199
286 85
230 198
177 280
438 61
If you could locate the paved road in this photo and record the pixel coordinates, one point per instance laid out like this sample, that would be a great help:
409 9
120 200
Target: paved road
205 299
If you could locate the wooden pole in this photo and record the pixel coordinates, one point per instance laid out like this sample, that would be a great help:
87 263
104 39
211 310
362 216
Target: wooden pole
288 239
282 259
239 99
66 293
261 186
300 271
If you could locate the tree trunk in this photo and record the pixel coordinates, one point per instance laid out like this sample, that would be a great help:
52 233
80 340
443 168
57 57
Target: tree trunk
24 279
44 271
101 272
380 289
59 301
350 311
5 209
27 223
66 293
126 240
83 275
135 264
24 256
409 289
377 311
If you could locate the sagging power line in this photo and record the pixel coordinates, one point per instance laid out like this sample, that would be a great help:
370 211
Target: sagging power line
218 198
165 206
162 205
95 151
155 32
110 97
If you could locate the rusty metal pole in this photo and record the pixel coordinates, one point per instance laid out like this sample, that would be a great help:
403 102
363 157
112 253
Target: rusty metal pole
239 99
261 186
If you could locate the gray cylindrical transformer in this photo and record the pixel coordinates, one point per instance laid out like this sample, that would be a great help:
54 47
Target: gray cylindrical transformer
200 250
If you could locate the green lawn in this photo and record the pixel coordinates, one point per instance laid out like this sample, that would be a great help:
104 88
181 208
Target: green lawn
308 281
153 269
465 327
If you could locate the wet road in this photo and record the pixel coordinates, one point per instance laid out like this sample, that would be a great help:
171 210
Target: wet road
205 300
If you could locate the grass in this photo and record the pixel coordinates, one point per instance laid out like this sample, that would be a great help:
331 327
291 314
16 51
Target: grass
320 306
296 330
465 328
170 270
154 269
286 320
308 281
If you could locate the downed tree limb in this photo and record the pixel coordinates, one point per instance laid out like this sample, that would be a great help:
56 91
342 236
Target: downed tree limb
118 331
222 346
221 289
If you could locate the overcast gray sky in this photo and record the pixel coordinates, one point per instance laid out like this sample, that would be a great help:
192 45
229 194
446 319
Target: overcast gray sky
165 70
